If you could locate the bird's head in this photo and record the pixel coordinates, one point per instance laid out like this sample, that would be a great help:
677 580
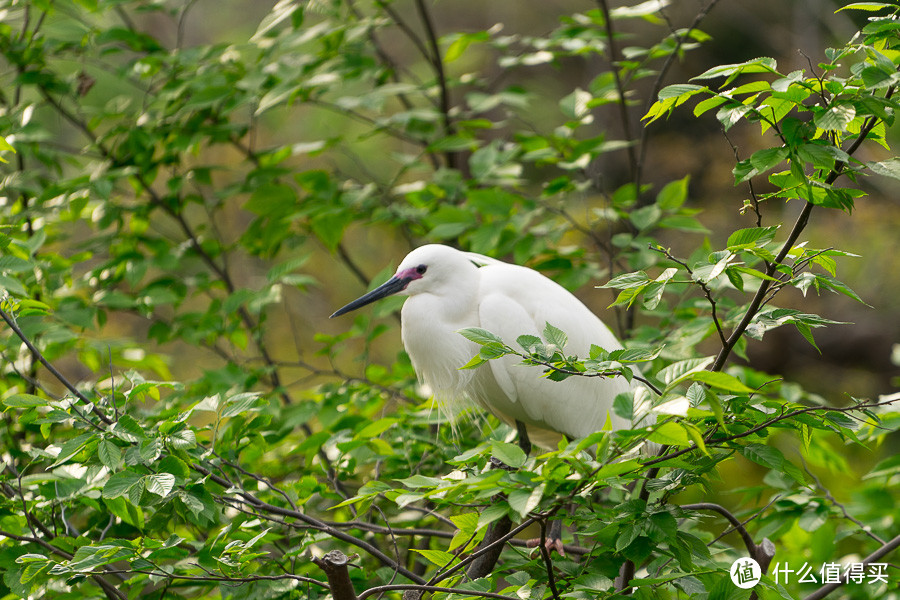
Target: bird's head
427 269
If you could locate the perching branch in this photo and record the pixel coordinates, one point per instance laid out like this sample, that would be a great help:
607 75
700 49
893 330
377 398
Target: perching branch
762 552
334 564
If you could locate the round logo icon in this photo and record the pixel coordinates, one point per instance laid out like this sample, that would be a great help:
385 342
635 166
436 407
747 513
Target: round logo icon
745 573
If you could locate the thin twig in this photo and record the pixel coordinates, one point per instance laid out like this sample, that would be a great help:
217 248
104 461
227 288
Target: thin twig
772 421
862 526
614 59
548 562
437 64
10 322
706 291
657 86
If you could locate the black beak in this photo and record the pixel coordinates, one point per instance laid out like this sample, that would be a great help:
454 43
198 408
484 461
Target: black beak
391 286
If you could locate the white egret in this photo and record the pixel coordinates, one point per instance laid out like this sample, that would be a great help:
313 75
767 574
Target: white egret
451 290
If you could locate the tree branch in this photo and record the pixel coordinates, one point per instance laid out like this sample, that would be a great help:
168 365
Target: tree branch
614 59
886 549
10 322
771 422
797 229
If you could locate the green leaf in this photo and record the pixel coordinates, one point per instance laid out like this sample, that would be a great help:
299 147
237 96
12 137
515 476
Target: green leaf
627 280
509 454
419 481
24 401
175 466
768 158
680 91
87 558
677 370
751 237
867 6
525 501
376 428
575 105
119 484
761 454
272 200
635 355
670 433
527 342
5 146
626 535
722 381
674 194
479 335
617 468
439 558
240 403
757 65
839 287
160 484
493 350
128 429
456 48
887 168
474 363
109 454
836 117
555 336
72 447
709 104
731 114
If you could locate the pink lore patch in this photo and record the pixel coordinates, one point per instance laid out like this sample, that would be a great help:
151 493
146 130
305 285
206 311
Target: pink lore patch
410 274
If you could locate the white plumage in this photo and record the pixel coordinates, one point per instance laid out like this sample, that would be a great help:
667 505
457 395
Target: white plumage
451 290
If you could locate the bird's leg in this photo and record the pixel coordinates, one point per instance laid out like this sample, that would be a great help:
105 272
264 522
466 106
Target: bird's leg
554 537
524 442
553 540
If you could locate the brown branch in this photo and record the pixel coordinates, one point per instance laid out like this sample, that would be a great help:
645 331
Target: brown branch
334 564
110 590
437 64
862 526
548 562
886 549
494 546
491 546
259 505
223 578
657 86
762 552
614 59
59 376
797 229
431 588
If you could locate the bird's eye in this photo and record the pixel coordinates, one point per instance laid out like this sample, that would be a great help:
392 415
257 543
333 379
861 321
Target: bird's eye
421 269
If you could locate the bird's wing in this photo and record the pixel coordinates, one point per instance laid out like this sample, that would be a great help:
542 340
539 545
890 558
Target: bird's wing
481 260
520 301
